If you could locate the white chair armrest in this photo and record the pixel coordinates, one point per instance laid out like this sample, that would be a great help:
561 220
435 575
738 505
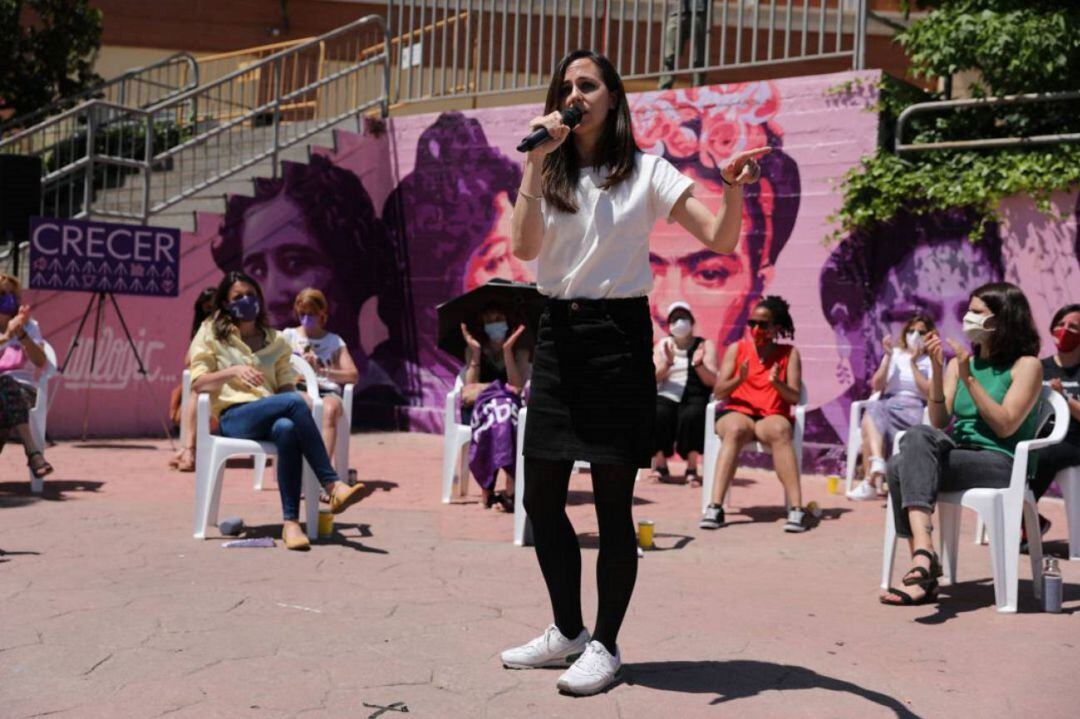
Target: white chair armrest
202 421
311 383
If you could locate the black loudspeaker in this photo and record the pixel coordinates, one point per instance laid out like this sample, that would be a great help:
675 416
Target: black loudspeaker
20 196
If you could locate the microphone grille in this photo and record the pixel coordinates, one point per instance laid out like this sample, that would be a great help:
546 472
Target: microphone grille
571 116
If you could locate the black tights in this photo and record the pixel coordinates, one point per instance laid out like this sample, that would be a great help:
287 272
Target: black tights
557 550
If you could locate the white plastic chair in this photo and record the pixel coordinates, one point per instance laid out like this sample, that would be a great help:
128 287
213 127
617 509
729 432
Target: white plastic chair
40 411
211 452
713 442
522 525
258 458
344 431
1001 510
854 442
341 447
456 438
1069 481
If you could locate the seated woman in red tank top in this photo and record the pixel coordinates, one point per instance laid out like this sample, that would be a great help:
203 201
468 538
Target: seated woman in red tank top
760 380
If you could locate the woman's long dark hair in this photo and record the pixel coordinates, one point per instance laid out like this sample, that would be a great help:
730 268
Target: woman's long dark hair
1014 334
198 314
223 321
616 150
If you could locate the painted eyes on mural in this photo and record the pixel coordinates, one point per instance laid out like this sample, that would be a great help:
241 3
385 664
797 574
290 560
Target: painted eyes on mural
711 274
255 266
294 262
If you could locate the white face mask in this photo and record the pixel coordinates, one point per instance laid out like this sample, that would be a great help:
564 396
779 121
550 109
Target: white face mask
496 331
914 341
975 328
681 328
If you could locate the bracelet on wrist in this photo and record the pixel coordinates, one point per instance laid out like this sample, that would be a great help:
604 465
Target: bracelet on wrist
725 181
937 401
527 195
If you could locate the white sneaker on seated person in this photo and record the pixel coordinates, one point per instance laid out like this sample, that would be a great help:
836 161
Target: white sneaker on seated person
865 492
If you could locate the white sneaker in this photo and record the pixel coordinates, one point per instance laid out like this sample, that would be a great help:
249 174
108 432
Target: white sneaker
592 673
550 649
865 492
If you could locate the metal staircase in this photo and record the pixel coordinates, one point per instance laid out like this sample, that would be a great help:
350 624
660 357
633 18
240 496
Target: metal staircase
107 159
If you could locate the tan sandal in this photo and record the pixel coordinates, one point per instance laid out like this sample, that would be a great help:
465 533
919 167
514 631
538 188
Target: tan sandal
340 501
296 541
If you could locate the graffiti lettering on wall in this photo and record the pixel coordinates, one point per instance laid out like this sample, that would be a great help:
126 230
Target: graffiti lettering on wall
115 368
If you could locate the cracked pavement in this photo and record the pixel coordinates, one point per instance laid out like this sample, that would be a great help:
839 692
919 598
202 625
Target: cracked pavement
111 609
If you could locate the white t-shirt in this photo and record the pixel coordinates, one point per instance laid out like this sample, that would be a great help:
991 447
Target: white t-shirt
674 384
25 372
901 376
602 250
325 349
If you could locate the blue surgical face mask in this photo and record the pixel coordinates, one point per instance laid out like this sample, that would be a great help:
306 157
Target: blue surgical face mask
496 331
9 304
244 309
309 322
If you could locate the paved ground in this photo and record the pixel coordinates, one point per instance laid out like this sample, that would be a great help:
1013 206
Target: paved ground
111 609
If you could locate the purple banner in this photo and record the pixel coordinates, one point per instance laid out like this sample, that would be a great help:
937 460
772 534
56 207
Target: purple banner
89 256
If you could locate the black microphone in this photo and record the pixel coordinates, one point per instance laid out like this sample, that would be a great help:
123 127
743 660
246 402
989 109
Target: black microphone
571 116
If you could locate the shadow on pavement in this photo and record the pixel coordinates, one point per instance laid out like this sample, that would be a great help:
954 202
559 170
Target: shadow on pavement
345 534
114 445
580 496
740 679
4 555
662 542
978 596
16 494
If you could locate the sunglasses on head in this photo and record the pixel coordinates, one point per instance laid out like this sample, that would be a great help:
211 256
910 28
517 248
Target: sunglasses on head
753 324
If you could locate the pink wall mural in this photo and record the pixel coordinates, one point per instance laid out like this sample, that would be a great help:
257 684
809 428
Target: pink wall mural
395 220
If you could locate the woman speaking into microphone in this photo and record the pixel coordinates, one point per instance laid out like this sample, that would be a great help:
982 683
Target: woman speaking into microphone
587 201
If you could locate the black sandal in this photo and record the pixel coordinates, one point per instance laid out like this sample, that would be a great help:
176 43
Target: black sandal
925 576
692 478
40 470
505 501
905 598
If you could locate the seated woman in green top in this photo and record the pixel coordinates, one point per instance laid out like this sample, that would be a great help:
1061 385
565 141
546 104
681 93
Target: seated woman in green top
990 395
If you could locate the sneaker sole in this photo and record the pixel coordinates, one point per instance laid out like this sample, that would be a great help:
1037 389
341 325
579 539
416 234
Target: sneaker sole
709 526
615 681
554 664
792 529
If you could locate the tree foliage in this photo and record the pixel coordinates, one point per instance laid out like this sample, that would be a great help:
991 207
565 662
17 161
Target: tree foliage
1008 47
47 51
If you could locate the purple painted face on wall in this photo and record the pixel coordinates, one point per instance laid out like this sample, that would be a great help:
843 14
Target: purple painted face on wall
282 255
873 284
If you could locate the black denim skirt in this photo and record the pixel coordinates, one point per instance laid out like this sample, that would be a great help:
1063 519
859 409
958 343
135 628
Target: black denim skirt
593 392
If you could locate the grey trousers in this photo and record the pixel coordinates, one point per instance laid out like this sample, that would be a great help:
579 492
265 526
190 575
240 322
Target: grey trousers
930 462
676 32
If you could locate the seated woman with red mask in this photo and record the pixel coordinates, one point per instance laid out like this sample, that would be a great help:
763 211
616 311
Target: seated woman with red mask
760 381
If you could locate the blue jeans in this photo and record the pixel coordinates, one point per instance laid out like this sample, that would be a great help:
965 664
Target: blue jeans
285 420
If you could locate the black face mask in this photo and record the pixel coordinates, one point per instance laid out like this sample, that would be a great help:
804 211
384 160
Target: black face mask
244 309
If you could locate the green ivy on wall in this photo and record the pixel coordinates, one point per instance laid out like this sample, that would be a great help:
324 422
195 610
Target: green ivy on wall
1014 46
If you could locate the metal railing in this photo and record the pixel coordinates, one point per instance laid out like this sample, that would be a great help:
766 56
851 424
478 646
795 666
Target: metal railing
139 87
446 48
922 108
104 159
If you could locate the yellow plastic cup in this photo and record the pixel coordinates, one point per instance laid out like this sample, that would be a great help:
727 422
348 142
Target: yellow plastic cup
834 483
645 534
326 525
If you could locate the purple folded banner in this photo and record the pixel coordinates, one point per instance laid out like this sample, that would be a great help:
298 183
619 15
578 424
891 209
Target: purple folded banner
89 256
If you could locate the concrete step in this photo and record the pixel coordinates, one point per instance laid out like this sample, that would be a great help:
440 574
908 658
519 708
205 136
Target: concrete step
199 164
